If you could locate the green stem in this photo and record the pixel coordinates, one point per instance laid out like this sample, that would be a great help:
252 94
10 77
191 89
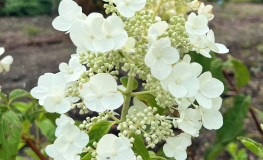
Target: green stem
128 93
143 92
37 135
113 117
157 9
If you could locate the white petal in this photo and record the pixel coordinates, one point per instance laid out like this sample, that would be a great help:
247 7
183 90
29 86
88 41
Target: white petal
216 103
46 80
162 43
61 144
106 143
40 92
88 89
177 90
104 82
120 40
97 29
95 105
104 45
59 79
161 27
6 62
2 50
68 8
82 140
60 24
74 64
201 30
197 68
187 127
214 89
204 79
50 150
182 71
168 150
114 98
206 52
161 70
127 154
116 25
167 81
203 101
150 58
212 119
64 106
180 154
137 5
63 67
50 105
187 58
78 33
191 85
169 55
125 11
130 43
222 48
211 36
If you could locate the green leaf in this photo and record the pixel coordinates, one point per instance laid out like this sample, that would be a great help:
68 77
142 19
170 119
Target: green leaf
52 117
252 145
98 131
16 94
124 82
31 153
232 149
26 127
233 120
154 157
242 154
21 144
47 128
87 156
21 106
33 112
241 72
121 54
20 158
149 99
139 147
3 108
10 135
3 97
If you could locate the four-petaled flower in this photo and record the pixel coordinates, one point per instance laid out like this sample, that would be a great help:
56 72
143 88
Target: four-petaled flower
128 8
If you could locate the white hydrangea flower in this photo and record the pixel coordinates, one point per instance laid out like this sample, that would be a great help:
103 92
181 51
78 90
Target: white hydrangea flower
81 33
196 66
70 142
51 152
128 8
176 147
129 46
190 121
182 82
101 93
138 105
206 11
6 62
209 88
155 31
73 70
113 147
160 58
69 12
188 137
205 43
61 122
195 5
47 83
109 34
212 118
196 25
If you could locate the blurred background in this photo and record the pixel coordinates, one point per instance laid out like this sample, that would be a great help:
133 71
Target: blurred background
26 33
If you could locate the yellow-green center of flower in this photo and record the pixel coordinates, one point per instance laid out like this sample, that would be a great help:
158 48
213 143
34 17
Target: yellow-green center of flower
158 55
177 81
99 95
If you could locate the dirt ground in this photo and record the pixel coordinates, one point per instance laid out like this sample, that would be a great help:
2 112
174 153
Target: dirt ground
37 48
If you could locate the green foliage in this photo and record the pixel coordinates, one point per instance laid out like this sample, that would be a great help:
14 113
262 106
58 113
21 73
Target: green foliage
139 147
26 7
47 128
124 82
149 99
241 72
252 145
16 94
31 153
10 134
98 131
236 155
154 157
87 157
233 126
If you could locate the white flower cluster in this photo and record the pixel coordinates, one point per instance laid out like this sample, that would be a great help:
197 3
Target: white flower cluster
135 40
6 62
